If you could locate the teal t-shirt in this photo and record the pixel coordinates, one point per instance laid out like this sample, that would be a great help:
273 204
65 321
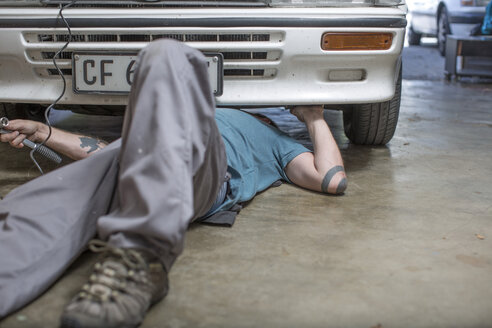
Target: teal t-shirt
257 154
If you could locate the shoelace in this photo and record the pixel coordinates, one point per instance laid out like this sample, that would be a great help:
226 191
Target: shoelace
131 258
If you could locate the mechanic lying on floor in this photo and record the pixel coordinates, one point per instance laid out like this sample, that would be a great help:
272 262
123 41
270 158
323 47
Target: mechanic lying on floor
179 160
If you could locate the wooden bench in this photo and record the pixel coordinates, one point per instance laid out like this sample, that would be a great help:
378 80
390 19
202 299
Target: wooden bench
468 56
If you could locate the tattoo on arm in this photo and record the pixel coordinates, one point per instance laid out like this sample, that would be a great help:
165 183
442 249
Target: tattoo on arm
342 185
93 144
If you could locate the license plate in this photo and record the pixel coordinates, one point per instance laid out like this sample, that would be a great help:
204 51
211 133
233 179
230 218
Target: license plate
112 73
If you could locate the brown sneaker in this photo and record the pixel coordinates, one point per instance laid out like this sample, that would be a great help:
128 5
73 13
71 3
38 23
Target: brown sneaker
120 290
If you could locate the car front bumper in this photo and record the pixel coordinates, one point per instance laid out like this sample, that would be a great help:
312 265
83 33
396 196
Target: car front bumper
272 56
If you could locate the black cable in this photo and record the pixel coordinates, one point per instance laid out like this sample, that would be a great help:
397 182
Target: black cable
48 109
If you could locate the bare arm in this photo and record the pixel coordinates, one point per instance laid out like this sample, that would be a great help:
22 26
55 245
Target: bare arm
70 144
322 171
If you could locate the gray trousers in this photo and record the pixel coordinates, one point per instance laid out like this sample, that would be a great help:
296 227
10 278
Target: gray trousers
140 191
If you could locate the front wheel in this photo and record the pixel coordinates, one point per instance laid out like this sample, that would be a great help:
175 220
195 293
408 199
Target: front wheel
413 37
373 124
443 30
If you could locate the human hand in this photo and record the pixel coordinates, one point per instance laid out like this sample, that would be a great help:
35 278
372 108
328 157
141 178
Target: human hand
307 113
21 130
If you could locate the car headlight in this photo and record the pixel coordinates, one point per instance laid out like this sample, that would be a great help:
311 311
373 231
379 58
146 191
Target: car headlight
334 3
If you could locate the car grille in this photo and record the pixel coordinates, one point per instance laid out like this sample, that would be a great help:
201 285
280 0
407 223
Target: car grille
185 37
246 54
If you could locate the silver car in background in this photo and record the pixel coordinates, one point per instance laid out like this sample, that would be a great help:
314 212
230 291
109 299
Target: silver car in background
345 54
443 17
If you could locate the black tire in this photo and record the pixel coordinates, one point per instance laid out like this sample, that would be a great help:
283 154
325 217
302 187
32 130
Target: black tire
413 37
373 124
443 30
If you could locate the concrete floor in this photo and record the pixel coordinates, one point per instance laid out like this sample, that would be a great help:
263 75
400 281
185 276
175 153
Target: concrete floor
409 245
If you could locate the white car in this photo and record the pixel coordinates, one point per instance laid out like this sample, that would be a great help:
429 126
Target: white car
345 54
443 17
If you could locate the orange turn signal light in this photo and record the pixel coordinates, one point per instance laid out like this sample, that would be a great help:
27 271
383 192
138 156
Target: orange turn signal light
356 41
